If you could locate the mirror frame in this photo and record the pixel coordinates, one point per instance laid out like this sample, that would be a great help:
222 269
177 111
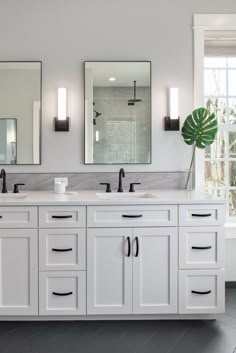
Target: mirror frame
40 114
150 143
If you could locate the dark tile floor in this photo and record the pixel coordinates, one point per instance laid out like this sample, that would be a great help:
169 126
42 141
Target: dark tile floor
124 336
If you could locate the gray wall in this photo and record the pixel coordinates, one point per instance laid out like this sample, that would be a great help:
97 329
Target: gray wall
64 33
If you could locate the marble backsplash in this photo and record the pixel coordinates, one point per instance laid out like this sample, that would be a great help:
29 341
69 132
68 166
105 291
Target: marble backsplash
90 181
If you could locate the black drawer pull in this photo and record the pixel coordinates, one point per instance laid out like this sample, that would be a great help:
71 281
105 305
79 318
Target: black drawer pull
201 214
137 247
61 217
62 294
201 293
129 247
62 250
132 215
0 216
201 247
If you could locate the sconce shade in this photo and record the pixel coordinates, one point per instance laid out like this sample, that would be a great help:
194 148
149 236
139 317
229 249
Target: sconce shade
171 122
61 121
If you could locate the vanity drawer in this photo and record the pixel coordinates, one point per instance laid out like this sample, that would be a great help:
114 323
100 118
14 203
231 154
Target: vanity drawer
201 291
18 217
201 247
62 216
201 215
62 293
62 249
132 216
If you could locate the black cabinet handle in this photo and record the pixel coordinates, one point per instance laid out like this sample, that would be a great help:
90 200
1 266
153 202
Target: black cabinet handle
137 247
201 293
201 214
201 247
62 294
0 216
132 215
62 250
129 247
61 217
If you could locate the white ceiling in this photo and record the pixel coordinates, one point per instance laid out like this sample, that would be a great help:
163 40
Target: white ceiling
124 72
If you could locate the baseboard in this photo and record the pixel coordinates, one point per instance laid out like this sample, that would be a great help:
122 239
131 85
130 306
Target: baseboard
230 284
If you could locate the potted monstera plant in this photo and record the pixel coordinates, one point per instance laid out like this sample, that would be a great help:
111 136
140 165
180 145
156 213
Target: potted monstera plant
199 129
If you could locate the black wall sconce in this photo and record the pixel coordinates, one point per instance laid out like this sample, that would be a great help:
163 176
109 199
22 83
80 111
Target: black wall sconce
61 122
171 122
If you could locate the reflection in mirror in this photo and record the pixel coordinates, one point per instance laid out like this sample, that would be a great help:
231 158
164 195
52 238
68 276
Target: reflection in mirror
117 112
20 112
8 145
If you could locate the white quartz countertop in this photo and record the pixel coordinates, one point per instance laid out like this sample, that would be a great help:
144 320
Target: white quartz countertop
154 197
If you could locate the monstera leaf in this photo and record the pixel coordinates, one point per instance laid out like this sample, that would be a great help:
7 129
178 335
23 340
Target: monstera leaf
200 128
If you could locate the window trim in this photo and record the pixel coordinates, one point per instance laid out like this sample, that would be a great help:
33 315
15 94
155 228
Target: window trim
202 23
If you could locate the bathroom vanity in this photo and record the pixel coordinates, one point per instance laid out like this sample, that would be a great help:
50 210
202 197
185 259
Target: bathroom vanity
91 255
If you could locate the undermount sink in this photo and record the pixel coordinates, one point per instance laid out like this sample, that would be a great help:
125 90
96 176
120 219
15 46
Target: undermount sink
125 196
12 196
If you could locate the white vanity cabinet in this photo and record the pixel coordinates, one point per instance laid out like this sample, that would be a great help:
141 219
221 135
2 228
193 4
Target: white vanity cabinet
132 270
110 260
155 259
18 261
201 259
62 260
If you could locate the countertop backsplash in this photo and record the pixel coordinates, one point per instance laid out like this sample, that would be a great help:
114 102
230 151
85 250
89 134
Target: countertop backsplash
91 181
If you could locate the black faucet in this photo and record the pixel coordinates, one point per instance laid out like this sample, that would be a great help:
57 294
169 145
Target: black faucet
4 182
121 175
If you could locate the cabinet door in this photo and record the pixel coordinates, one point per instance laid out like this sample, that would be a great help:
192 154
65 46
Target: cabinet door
18 272
109 271
154 270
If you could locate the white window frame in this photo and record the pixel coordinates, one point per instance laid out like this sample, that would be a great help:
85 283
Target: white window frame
202 23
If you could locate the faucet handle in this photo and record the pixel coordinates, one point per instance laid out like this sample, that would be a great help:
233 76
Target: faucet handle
108 188
131 188
16 190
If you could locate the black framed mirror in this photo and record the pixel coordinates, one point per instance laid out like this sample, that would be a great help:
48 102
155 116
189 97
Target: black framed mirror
20 112
117 105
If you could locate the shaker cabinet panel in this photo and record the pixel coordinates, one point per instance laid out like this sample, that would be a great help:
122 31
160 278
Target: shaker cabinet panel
18 272
62 249
132 216
62 293
155 270
201 291
62 216
109 271
201 247
18 217
201 215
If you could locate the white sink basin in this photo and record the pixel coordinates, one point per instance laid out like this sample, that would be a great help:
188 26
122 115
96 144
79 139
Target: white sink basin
121 196
12 197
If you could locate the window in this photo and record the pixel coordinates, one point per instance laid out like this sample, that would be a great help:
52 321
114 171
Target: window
220 157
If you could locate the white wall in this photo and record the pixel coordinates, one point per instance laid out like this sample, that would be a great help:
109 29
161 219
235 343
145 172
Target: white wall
64 33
